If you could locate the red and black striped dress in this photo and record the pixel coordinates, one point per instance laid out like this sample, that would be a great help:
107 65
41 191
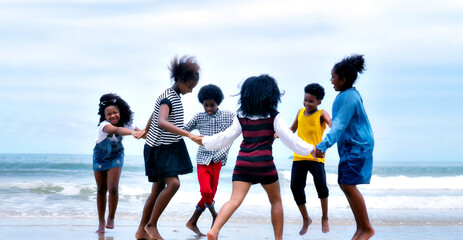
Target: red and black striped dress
255 160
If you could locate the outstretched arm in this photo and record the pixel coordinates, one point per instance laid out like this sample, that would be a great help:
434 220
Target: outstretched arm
168 126
293 127
121 131
222 139
192 124
325 117
142 133
340 123
293 142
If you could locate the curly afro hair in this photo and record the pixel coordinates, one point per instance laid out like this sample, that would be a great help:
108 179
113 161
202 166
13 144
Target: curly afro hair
111 99
259 96
185 69
210 91
316 90
349 68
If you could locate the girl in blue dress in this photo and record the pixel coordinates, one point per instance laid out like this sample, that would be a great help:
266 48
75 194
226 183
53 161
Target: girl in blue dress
352 132
108 154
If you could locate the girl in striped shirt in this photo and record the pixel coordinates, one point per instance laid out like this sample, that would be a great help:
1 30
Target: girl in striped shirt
258 120
165 152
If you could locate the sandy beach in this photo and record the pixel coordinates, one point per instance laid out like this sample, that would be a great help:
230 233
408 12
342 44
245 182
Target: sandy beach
84 229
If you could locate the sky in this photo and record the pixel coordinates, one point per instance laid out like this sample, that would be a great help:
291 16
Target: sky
58 57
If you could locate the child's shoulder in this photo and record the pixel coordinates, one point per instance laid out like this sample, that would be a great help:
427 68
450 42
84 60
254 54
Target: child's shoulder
349 95
102 125
227 113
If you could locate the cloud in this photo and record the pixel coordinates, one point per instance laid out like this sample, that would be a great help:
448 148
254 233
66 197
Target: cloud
58 57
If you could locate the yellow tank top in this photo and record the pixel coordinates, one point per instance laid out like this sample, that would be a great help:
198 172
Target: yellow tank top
311 131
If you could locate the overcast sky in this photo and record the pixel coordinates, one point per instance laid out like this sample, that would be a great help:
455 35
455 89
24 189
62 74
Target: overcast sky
58 57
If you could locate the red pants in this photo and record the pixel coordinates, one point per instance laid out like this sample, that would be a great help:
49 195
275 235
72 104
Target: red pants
208 178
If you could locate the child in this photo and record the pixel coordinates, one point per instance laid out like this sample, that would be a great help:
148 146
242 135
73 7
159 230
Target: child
258 120
108 154
352 132
310 124
165 152
209 163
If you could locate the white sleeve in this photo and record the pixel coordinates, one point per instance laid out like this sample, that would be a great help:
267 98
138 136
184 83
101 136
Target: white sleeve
101 135
291 140
223 139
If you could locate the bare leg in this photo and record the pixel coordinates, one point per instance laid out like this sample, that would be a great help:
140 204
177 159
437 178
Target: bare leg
325 223
114 175
306 220
148 209
357 222
192 223
359 209
164 197
213 213
274 196
239 191
102 188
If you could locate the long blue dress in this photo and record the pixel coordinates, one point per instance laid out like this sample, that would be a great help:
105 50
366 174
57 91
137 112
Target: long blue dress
352 132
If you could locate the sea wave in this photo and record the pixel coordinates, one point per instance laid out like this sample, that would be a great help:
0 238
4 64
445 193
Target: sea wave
138 194
400 182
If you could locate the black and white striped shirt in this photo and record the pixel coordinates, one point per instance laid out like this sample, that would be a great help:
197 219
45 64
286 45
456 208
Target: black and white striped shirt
208 126
157 136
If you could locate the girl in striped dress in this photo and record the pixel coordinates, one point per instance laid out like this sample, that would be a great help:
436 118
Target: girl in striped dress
258 120
165 152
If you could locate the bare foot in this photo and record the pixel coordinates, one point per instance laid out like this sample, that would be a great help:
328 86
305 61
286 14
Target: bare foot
153 232
194 228
141 234
211 235
357 233
366 234
305 226
110 223
100 228
325 225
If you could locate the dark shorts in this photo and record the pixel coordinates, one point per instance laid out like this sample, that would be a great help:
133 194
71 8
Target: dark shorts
167 161
255 179
263 172
299 178
355 171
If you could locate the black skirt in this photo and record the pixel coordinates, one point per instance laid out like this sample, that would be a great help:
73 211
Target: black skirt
167 161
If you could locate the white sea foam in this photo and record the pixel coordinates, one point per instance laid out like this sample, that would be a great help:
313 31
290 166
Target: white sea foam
397 182
398 188
404 182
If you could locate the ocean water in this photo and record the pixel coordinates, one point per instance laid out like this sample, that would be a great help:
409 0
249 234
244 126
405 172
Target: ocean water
49 185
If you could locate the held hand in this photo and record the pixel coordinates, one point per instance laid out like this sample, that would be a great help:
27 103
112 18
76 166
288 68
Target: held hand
136 134
199 140
318 153
313 153
275 136
139 134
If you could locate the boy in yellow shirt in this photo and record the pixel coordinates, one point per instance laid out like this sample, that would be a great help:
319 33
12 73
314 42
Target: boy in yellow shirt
310 123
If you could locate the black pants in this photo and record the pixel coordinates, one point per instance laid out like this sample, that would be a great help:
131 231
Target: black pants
299 179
